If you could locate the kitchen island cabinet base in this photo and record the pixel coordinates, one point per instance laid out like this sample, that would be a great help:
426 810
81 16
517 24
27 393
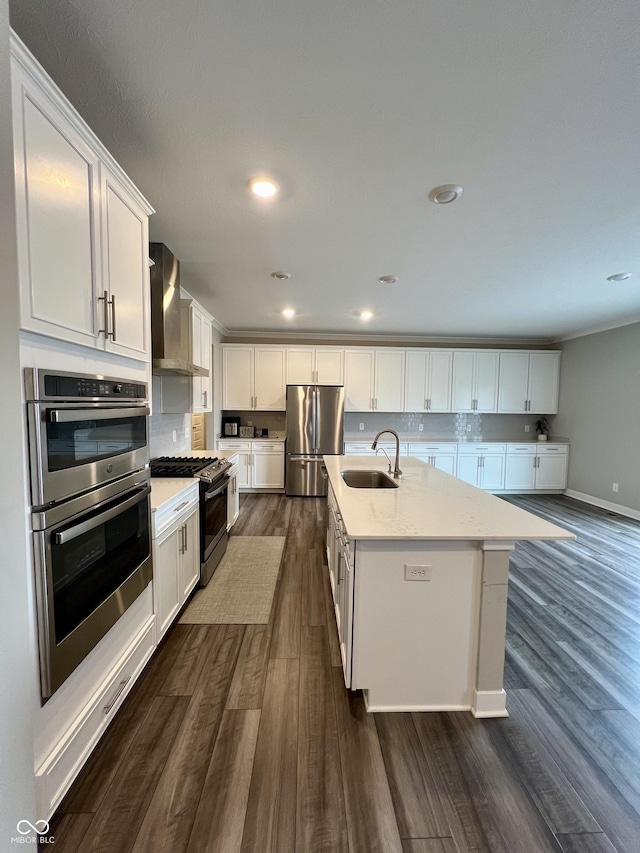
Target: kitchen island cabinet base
435 643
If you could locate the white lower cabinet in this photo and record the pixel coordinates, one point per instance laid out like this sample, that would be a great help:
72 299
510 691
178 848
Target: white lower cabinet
341 558
176 557
260 463
441 456
233 497
482 465
531 467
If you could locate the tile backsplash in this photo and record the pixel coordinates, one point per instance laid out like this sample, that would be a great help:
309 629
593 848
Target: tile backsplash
161 429
444 426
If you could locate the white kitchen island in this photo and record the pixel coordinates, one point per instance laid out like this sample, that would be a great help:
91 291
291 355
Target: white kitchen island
419 577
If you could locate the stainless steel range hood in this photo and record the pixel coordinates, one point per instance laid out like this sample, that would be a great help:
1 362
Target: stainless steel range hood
170 355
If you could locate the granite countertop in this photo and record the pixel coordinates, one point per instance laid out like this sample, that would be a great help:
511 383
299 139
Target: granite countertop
429 504
164 489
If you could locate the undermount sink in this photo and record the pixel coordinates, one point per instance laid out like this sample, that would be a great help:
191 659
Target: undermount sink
368 480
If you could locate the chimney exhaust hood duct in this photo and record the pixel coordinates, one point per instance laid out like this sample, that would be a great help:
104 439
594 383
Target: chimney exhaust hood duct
170 356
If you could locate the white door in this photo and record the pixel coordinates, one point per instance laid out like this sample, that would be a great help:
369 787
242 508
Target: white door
269 379
166 571
126 270
544 370
520 471
389 381
440 365
468 468
329 366
190 553
268 470
463 384
415 381
300 366
486 382
358 380
551 472
57 192
514 382
237 378
492 472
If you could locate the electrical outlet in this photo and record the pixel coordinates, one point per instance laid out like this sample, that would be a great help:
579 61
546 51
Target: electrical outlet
615 487
468 427
420 427
417 573
526 427
361 426
174 435
249 423
187 432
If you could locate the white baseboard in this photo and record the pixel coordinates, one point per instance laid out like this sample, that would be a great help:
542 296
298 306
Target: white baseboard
393 709
489 703
590 499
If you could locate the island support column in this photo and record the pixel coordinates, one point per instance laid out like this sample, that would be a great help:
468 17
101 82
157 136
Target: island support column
489 698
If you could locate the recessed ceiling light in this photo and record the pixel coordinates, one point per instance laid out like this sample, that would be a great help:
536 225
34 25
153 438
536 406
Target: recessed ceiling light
288 313
281 276
388 279
445 194
619 276
263 186
366 315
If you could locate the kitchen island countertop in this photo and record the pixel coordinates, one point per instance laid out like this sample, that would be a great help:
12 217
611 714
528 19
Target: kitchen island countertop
429 504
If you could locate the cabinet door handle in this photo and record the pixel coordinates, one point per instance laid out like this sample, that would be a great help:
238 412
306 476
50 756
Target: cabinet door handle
186 538
121 686
105 314
112 303
429 403
179 507
426 403
204 396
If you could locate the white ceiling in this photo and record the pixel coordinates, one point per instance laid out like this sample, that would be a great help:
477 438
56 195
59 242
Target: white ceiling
359 109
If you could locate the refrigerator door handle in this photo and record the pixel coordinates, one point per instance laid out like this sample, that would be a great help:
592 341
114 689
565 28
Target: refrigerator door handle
316 413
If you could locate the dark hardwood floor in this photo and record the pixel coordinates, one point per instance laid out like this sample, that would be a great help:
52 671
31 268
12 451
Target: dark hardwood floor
244 738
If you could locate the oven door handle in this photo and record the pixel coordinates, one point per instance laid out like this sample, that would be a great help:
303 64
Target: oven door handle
209 495
61 416
86 526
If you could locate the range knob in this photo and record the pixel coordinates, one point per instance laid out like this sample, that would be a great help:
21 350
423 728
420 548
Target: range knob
117 389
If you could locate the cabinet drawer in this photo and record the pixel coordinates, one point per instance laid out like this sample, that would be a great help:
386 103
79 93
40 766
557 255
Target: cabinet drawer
522 449
482 448
170 511
424 449
552 449
234 445
56 774
273 446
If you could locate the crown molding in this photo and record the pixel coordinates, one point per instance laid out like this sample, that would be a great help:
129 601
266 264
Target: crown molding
600 327
363 338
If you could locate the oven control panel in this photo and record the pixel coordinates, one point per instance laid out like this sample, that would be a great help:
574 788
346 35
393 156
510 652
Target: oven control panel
42 384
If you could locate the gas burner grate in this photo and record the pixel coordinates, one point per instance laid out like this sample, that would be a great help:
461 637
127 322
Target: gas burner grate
180 466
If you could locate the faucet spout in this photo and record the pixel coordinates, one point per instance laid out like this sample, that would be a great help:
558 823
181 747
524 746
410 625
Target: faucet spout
397 472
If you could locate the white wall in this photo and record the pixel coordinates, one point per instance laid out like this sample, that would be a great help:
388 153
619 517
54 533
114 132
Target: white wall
18 677
599 411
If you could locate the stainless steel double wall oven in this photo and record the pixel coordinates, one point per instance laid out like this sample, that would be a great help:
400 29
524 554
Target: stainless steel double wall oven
89 454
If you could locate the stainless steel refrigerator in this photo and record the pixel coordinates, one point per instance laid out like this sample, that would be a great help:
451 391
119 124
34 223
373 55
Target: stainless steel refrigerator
315 428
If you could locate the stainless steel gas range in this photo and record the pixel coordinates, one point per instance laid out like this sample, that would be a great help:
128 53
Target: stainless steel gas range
214 485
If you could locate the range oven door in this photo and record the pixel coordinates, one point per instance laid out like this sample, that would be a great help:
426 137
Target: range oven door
90 567
213 527
76 447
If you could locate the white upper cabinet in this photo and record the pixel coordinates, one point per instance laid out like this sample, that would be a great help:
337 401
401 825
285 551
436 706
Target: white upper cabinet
195 333
82 225
475 381
529 382
310 366
126 289
374 380
427 381
359 367
388 386
253 378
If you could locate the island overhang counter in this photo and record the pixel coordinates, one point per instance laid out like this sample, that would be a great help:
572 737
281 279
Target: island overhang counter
419 578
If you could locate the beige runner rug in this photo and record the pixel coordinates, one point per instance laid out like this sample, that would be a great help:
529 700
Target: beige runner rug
241 589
